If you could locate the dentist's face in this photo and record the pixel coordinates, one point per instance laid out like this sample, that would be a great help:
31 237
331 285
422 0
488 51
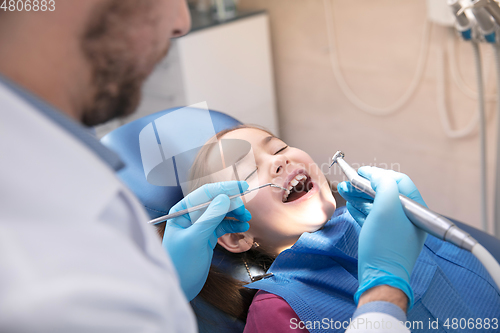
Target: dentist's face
279 218
122 42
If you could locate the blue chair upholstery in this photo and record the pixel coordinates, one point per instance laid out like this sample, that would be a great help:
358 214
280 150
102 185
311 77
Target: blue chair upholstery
185 123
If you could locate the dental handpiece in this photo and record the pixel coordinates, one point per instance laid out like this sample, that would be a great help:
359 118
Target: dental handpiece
419 215
164 218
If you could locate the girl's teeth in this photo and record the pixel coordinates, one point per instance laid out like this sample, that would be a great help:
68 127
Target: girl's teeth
296 180
285 195
293 183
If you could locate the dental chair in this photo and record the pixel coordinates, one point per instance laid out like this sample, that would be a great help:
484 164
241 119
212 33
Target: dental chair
155 178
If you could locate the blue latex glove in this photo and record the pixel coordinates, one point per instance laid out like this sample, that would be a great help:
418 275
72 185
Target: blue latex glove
359 204
191 238
389 244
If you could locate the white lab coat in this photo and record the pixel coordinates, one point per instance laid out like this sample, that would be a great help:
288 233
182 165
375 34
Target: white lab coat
76 254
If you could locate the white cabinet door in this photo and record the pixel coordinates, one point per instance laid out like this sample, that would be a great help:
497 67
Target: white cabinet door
230 67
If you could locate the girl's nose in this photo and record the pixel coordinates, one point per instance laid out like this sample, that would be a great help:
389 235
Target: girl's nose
280 165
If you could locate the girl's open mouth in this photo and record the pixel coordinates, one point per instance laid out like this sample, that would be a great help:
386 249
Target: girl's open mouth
298 187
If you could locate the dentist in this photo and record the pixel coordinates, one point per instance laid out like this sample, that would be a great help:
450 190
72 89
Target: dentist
76 254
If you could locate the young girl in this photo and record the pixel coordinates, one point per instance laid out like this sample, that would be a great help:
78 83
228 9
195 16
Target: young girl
311 251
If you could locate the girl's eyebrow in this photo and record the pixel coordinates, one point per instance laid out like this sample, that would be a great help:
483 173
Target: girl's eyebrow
268 139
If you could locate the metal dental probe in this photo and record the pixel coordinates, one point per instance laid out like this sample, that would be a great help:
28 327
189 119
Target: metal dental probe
164 218
419 215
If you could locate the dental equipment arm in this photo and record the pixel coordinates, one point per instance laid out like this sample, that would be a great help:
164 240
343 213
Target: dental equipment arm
463 24
427 220
491 6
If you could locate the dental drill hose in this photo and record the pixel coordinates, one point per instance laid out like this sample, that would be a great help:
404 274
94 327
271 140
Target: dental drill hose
427 220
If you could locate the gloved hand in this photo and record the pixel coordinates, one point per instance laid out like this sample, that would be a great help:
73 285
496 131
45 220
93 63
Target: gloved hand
190 239
389 244
359 204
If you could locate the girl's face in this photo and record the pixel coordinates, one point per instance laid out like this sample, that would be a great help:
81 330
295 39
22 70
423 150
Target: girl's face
279 217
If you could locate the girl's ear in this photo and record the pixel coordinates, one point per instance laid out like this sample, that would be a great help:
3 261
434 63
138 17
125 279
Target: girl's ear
236 242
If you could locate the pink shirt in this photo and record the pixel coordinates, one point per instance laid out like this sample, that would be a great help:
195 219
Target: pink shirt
271 313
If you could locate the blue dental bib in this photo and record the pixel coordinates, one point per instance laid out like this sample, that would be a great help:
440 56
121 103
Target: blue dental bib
318 277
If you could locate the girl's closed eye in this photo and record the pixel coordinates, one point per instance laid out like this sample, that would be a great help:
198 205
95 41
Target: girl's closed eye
281 150
256 169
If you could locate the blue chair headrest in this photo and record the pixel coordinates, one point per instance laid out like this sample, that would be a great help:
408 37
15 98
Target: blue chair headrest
159 149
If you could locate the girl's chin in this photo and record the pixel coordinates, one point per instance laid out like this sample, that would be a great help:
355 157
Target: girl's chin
328 215
319 210
320 222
